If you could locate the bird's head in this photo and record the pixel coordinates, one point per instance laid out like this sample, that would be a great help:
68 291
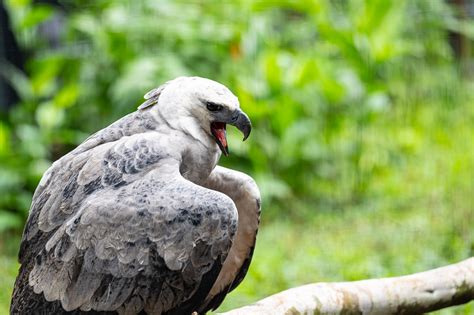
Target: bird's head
197 104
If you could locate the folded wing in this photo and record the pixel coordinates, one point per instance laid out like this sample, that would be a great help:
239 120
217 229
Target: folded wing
246 196
116 227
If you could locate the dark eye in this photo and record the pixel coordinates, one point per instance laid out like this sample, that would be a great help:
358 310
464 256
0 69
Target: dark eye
213 107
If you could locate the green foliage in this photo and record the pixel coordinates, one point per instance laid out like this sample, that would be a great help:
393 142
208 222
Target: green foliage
362 120
315 78
426 224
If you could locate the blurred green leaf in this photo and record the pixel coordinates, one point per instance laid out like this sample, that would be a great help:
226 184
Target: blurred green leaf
362 118
36 15
9 221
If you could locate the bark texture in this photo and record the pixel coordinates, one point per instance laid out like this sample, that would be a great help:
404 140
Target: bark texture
413 294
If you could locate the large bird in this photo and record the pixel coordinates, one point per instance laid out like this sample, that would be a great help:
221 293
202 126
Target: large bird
138 219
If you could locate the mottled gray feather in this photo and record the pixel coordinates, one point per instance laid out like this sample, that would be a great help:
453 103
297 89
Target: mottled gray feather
111 208
124 223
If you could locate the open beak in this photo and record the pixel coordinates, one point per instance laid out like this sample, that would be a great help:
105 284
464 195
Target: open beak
218 129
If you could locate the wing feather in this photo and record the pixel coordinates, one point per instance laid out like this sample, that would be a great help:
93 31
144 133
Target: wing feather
244 192
125 230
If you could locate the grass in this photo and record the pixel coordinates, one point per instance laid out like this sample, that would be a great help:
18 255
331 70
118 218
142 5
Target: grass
8 271
351 246
8 268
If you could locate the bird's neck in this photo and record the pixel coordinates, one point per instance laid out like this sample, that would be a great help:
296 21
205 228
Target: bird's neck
200 156
197 151
196 166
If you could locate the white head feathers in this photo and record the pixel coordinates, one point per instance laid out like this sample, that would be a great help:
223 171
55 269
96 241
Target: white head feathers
198 106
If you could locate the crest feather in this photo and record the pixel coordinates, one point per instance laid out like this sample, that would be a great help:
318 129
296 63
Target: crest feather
152 96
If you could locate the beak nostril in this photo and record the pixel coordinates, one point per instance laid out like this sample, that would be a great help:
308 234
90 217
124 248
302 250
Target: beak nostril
240 120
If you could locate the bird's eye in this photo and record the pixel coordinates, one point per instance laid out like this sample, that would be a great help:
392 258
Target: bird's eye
213 107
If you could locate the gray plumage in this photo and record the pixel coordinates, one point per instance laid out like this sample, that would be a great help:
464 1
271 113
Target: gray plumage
138 218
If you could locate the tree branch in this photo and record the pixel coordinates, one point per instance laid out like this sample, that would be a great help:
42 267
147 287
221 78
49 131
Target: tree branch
413 294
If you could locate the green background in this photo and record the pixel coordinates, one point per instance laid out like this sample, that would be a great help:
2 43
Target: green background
363 121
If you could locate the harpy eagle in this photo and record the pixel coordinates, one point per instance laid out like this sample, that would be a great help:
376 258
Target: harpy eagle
138 219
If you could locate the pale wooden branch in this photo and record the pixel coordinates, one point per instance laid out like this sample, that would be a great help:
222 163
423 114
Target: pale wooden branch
413 294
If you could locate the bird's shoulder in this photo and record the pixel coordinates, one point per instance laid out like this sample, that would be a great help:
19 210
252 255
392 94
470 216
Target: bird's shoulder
137 122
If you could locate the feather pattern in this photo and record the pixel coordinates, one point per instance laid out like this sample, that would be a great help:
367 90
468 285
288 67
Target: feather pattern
244 192
117 226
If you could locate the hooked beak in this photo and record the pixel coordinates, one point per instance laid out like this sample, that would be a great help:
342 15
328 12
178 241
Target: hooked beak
242 122
238 119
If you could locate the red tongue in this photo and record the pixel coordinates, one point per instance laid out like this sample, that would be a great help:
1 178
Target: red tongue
219 132
221 135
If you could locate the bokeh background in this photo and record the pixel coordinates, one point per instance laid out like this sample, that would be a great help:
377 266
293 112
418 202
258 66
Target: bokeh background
363 119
